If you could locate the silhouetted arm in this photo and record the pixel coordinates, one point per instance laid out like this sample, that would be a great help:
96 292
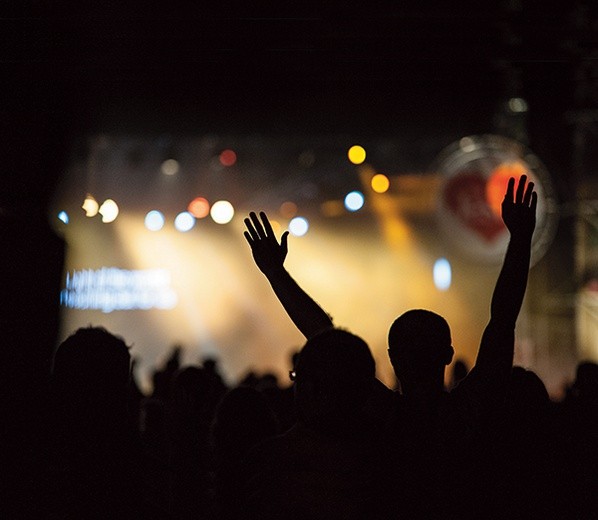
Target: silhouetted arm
495 357
269 256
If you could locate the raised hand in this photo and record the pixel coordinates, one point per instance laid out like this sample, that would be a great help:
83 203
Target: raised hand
268 254
519 213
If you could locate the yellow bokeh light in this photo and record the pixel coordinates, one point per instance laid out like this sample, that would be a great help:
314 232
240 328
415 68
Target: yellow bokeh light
380 183
356 154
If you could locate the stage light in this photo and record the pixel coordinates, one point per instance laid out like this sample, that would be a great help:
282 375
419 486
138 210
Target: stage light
517 105
298 226
184 222
356 154
170 167
109 211
288 209
91 206
222 212
442 274
63 216
380 183
154 220
199 207
228 157
354 201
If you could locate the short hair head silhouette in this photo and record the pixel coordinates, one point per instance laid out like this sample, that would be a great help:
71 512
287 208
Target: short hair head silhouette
419 342
92 367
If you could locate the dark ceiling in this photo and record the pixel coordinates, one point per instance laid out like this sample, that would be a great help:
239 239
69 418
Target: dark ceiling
369 67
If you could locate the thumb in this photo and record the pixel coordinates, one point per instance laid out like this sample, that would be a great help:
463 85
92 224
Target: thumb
284 242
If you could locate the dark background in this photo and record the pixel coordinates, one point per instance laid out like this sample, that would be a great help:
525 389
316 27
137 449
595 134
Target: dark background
423 68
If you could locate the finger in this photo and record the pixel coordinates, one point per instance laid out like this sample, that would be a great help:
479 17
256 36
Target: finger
534 202
510 187
528 193
248 238
520 188
284 242
267 225
258 225
251 229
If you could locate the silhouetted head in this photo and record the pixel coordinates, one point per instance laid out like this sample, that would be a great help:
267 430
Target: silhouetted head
334 377
419 343
92 368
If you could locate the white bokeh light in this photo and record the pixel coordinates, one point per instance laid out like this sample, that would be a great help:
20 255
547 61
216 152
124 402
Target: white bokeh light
63 216
222 212
354 201
170 167
154 220
91 206
442 274
184 221
109 211
298 226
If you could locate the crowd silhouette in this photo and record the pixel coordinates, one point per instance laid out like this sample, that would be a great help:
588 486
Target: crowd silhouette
337 444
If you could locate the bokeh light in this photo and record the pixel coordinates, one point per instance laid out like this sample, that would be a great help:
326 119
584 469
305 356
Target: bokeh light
380 183
199 207
184 222
517 105
63 216
298 226
222 212
354 201
442 274
288 209
91 206
228 157
356 154
170 167
467 144
109 211
496 185
154 220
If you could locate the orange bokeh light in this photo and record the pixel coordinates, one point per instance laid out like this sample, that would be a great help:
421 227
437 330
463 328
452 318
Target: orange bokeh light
288 209
199 207
496 186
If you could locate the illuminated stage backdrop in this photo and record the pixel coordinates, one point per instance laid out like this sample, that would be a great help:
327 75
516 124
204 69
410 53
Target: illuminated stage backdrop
164 262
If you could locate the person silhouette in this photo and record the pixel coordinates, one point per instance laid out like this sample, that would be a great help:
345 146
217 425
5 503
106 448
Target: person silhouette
441 426
326 465
96 464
